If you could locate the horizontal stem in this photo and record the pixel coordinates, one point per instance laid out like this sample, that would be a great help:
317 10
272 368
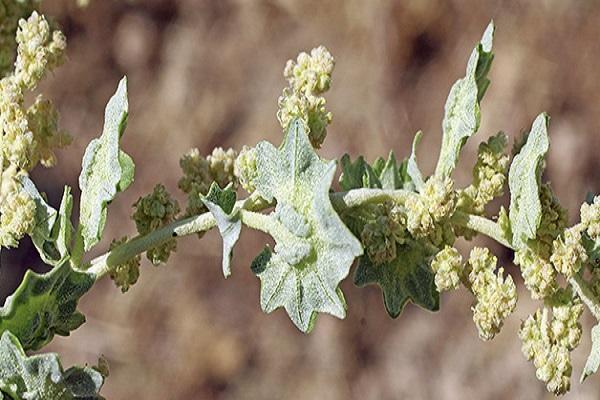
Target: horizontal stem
481 225
359 197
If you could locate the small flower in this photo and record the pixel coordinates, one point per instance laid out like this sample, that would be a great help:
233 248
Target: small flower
568 253
244 168
125 275
448 268
538 273
590 218
221 165
310 109
17 219
152 212
381 236
495 296
310 73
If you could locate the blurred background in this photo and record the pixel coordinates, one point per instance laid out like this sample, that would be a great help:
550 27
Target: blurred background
208 73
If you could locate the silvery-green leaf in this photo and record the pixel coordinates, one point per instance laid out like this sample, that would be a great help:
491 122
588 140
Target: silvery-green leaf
525 211
105 170
45 218
303 273
406 278
63 228
593 361
41 377
44 305
412 168
221 202
358 174
389 175
462 114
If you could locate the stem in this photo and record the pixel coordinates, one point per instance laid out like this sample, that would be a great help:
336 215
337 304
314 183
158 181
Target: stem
359 197
482 225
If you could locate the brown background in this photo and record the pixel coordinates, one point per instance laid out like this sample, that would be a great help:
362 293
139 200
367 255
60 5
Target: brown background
208 73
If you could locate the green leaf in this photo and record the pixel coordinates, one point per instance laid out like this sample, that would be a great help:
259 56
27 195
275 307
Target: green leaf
221 202
407 277
63 228
525 211
42 376
314 250
593 361
45 217
462 114
412 168
44 305
389 176
358 174
105 169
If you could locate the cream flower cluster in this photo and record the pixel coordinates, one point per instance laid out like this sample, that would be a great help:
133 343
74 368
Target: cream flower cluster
11 11
448 268
200 172
28 135
495 295
548 342
590 218
308 78
152 212
568 254
244 168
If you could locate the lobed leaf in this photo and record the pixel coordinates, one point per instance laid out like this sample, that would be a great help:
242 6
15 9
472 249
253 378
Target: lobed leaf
105 170
221 202
44 305
407 278
525 211
42 376
462 113
593 361
317 250
357 174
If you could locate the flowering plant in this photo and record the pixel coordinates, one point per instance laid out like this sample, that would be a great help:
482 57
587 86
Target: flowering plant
399 223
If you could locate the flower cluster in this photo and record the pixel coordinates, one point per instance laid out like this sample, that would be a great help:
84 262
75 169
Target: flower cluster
200 172
11 12
383 233
427 214
495 296
28 135
152 212
549 342
125 275
590 218
244 168
534 260
308 78
568 254
448 268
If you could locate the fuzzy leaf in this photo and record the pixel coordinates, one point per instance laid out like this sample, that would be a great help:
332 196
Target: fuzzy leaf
593 361
389 176
524 183
105 169
407 277
44 305
63 228
45 217
358 174
316 253
42 376
462 114
412 168
221 202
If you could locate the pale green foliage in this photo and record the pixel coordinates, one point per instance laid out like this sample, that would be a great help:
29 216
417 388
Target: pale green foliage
412 168
308 77
42 376
152 212
462 115
548 342
221 204
593 361
495 295
103 171
303 273
524 182
448 268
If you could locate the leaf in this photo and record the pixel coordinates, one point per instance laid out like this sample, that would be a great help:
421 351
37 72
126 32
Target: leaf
315 251
389 176
63 228
525 211
358 174
462 114
412 168
593 361
42 376
105 169
44 305
221 202
407 277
